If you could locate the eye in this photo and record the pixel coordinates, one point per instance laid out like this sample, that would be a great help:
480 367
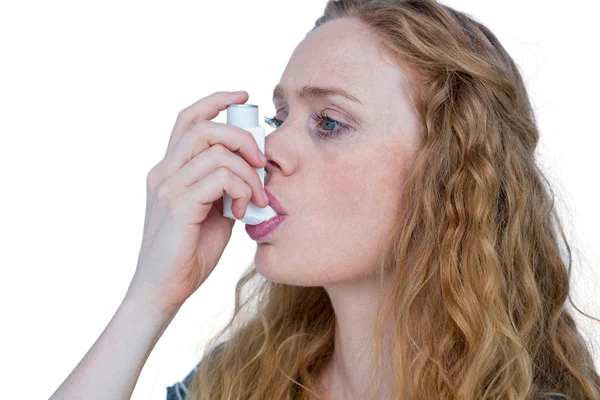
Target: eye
274 122
330 123
318 118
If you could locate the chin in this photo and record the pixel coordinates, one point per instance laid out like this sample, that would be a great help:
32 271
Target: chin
282 272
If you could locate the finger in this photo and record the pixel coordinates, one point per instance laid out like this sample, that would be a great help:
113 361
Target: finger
214 186
207 133
211 160
201 137
204 109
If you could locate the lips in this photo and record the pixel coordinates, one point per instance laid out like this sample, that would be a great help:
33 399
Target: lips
263 230
274 203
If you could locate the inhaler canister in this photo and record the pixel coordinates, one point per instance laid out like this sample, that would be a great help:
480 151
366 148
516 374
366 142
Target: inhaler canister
245 116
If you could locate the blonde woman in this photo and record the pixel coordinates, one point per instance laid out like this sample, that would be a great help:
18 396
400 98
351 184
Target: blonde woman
418 253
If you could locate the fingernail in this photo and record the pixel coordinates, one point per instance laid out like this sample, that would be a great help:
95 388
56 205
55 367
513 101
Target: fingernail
238 92
261 156
265 196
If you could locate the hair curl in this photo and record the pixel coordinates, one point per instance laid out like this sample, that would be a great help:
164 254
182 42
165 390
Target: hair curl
478 300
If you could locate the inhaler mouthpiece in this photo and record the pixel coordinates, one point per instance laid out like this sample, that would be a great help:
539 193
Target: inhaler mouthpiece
245 116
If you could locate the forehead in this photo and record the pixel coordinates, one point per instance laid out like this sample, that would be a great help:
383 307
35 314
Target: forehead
346 54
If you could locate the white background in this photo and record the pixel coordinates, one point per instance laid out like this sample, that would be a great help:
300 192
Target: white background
89 93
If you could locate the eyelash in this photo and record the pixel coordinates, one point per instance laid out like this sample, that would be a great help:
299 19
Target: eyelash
317 117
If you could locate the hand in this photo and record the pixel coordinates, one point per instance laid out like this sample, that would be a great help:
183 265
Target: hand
185 231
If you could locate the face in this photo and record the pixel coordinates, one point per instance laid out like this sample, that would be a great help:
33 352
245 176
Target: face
340 191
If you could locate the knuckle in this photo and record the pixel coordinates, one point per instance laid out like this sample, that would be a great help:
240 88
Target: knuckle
224 175
200 126
250 137
183 115
219 149
152 178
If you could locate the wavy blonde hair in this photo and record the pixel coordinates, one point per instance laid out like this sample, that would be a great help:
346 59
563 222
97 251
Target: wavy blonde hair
478 300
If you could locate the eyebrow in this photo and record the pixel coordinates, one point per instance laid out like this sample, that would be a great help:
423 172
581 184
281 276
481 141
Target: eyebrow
312 92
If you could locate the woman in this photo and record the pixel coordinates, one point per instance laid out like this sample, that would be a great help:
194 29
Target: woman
433 168
419 235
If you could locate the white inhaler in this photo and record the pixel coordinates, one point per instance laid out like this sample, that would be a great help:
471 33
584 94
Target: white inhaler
245 116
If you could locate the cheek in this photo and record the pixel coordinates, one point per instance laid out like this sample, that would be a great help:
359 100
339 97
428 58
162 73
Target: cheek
344 187
359 178
355 219
348 210
360 195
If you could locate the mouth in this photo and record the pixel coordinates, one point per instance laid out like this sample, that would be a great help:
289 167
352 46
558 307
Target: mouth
264 230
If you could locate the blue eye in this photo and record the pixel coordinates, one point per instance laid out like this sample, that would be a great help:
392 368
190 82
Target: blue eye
318 118
274 122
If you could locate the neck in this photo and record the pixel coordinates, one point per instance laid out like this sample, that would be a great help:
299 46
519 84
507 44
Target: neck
347 374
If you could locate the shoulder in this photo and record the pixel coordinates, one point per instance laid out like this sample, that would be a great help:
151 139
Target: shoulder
178 390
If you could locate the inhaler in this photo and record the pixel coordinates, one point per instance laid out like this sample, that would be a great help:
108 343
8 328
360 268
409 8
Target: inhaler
245 116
